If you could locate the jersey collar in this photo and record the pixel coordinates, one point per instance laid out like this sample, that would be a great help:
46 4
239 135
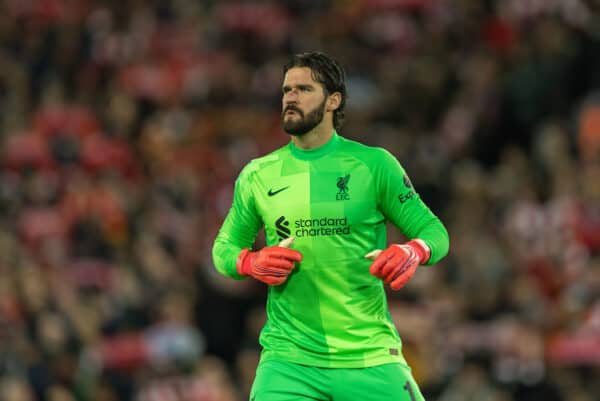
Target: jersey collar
312 154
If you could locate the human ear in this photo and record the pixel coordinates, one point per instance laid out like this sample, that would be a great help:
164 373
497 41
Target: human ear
333 101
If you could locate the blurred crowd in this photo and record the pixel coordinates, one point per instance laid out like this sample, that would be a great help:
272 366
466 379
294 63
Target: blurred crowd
123 125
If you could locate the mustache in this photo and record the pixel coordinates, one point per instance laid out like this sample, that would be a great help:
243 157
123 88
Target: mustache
292 108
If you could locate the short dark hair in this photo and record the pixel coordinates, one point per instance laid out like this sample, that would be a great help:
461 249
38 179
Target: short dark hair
327 72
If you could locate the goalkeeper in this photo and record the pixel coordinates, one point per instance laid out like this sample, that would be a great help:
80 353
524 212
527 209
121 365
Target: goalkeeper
323 201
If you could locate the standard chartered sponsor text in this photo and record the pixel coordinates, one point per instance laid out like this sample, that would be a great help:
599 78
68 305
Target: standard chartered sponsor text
322 226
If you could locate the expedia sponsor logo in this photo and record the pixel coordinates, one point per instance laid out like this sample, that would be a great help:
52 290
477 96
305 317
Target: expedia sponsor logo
324 226
406 196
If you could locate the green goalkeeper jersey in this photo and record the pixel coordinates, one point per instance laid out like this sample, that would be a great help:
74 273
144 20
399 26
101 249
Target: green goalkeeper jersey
335 200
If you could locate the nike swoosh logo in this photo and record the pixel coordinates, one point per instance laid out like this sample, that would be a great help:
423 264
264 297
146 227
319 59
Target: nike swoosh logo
272 193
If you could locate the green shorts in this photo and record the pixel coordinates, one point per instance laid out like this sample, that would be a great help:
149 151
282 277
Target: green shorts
285 381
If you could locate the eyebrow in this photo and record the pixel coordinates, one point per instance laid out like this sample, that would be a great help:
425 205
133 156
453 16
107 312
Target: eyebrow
286 88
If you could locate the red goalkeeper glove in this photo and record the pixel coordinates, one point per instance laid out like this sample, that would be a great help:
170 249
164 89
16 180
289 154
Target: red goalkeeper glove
397 264
272 264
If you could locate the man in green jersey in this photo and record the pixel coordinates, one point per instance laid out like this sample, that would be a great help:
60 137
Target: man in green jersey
328 334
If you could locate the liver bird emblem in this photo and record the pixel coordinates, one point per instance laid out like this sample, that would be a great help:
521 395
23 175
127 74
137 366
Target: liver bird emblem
342 183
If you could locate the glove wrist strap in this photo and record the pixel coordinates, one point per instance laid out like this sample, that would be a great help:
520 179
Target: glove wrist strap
242 264
421 249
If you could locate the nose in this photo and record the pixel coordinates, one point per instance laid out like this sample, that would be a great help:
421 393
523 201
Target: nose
290 96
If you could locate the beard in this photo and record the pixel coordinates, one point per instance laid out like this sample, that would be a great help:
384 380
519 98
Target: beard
305 123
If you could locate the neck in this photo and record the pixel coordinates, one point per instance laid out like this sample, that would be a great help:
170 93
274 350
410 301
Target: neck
318 136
